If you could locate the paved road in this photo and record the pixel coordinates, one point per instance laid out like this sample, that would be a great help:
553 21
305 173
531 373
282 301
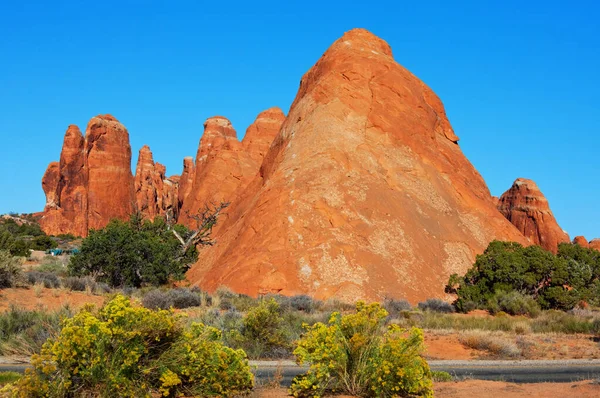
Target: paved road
511 371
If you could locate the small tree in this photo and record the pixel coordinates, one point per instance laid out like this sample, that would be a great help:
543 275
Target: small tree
558 282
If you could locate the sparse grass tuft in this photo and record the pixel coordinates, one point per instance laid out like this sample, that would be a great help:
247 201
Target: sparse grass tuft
494 343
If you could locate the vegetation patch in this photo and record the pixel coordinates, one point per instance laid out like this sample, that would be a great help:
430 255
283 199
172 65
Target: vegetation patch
128 351
355 354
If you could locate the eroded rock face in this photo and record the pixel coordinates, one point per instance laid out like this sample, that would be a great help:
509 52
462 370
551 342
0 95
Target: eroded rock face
155 194
50 185
581 241
95 182
595 244
224 165
186 181
364 192
525 206
260 134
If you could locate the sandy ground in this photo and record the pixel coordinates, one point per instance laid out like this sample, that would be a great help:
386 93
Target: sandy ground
481 388
48 299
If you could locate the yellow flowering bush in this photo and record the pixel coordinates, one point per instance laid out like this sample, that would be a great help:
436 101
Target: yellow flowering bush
121 351
355 354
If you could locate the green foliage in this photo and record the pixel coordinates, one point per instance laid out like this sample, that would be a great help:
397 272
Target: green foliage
10 270
558 282
23 332
134 253
43 242
513 303
9 377
262 334
354 354
126 351
20 248
441 376
199 365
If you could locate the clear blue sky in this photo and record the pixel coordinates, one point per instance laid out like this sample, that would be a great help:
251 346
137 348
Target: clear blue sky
520 80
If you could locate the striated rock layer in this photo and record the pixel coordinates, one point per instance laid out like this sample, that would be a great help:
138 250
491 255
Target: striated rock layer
94 179
364 193
525 206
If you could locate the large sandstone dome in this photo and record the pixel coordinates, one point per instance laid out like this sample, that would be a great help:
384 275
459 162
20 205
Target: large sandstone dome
364 193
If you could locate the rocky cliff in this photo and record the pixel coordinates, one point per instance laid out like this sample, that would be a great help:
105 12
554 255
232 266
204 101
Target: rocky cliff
527 208
364 192
92 183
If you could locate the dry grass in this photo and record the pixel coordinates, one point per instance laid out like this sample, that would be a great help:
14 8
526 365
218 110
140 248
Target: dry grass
495 343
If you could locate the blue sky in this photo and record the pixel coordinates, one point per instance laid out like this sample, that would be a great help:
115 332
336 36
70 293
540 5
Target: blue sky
520 80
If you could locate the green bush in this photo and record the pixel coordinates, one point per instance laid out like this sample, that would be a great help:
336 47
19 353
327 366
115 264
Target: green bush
554 282
353 354
135 253
513 303
43 242
126 351
10 270
261 334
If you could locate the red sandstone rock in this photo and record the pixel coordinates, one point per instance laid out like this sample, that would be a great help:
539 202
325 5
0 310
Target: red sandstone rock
261 133
95 183
224 165
50 185
581 241
155 194
525 206
186 181
108 168
364 192
595 244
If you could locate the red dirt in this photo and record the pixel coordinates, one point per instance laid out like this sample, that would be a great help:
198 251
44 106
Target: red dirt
482 388
48 299
447 347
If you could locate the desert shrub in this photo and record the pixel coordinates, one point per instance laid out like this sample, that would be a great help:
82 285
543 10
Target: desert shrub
10 270
354 354
261 334
20 248
80 284
495 344
148 254
554 321
303 302
52 265
49 280
436 305
441 376
23 332
224 293
43 242
595 327
395 306
178 298
513 303
128 351
199 365
157 300
185 298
